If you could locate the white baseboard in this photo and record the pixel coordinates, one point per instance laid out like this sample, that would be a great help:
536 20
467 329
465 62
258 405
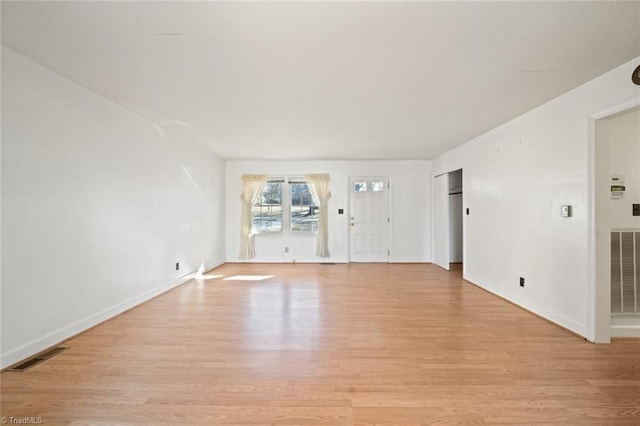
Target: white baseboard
54 338
407 259
625 331
214 264
289 261
320 260
625 326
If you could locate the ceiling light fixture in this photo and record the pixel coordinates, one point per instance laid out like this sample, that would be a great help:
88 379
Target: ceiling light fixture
635 77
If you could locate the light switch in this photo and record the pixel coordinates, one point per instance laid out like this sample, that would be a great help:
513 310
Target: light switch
565 211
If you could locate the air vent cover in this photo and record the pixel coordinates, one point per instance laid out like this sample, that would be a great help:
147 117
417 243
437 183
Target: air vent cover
625 271
37 359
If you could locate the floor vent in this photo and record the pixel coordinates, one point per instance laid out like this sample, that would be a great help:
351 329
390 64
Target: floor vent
625 271
37 359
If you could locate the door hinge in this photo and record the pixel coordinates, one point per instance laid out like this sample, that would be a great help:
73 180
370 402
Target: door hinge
388 220
388 252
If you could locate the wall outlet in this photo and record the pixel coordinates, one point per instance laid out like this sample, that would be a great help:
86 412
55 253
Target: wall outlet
521 282
177 266
286 249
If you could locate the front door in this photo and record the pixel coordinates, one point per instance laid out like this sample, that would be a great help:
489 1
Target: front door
369 219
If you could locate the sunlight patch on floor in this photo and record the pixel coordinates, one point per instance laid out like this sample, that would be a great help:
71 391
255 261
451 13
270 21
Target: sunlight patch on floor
207 277
248 278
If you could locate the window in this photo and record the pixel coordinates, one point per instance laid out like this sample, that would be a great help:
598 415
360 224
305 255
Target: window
285 207
304 212
267 211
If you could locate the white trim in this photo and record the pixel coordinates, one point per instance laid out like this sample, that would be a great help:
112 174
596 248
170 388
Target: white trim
316 260
625 331
593 303
458 165
390 220
408 259
623 107
58 336
591 236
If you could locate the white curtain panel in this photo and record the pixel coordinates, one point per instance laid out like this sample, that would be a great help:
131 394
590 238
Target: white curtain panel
252 186
319 188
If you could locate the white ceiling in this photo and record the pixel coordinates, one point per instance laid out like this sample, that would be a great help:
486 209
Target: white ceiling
326 80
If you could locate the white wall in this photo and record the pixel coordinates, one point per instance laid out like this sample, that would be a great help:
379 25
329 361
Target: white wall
97 206
516 177
410 236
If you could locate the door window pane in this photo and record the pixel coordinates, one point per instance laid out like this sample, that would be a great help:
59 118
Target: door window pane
360 186
377 186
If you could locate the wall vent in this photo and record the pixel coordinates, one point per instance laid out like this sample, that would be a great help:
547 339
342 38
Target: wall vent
625 271
37 359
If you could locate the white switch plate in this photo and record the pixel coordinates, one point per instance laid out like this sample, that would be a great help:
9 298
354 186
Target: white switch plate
565 211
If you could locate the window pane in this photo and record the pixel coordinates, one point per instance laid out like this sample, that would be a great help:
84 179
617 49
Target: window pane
267 212
272 193
377 186
360 186
304 212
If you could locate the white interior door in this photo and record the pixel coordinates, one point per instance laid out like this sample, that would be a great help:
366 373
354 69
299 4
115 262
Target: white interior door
441 221
369 219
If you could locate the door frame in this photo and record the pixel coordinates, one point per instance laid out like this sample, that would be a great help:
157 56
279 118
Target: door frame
389 212
598 257
459 165
441 209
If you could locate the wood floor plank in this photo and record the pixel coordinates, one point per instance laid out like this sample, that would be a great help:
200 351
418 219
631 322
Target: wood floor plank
358 344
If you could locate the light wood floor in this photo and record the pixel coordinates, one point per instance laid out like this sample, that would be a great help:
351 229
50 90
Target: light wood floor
330 344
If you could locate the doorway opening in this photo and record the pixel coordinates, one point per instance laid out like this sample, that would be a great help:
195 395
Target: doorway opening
448 220
455 218
616 177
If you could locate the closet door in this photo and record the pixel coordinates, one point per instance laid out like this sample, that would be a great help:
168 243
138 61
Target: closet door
441 221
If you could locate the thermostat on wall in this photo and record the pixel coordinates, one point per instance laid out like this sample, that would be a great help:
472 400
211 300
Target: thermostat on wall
617 187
